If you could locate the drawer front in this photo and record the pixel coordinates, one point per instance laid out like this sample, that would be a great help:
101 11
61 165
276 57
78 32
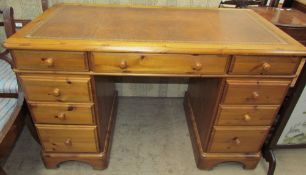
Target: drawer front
237 139
264 65
255 91
68 138
54 113
56 88
246 115
158 63
50 60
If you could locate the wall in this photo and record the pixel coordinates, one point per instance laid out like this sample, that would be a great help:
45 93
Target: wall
28 9
295 130
2 34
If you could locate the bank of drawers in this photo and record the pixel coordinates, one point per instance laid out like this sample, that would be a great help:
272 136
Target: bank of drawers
246 112
63 110
100 62
62 105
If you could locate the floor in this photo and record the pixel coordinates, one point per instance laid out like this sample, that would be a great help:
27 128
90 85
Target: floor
151 138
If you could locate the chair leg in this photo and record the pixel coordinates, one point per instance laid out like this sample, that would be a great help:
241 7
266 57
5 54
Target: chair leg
270 157
30 124
2 172
32 129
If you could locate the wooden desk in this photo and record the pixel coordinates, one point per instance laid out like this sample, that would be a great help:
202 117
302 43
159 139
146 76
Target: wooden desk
240 67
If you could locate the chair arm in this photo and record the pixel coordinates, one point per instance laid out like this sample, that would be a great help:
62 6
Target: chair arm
5 58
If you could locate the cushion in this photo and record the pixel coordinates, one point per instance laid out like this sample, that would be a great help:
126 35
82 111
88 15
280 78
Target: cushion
8 82
7 106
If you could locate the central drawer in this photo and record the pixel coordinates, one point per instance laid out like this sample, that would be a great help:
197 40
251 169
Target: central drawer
59 88
255 91
68 138
240 139
59 113
158 63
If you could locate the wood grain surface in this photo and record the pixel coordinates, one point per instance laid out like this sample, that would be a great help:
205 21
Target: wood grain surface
50 60
57 88
236 115
158 63
68 138
63 113
255 91
237 139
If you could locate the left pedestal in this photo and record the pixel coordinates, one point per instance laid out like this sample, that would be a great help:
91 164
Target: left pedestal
74 116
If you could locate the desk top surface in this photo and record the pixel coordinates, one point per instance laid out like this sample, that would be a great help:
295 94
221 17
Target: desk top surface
157 30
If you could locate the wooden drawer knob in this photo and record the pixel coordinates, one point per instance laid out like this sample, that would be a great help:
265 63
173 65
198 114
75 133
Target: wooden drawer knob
237 141
68 142
266 66
48 61
61 116
247 117
123 64
197 66
56 92
255 95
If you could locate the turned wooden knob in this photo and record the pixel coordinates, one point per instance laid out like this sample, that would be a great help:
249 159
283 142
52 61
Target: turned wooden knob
61 116
123 64
255 95
68 142
49 62
197 66
237 141
247 117
56 92
266 66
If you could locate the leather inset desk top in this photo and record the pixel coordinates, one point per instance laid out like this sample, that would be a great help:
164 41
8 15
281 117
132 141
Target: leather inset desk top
150 24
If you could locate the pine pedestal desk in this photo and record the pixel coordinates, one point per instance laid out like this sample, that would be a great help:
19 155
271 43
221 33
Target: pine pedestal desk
239 67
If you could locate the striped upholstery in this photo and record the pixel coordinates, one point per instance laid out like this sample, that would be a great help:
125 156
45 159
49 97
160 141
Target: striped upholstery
7 106
8 82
